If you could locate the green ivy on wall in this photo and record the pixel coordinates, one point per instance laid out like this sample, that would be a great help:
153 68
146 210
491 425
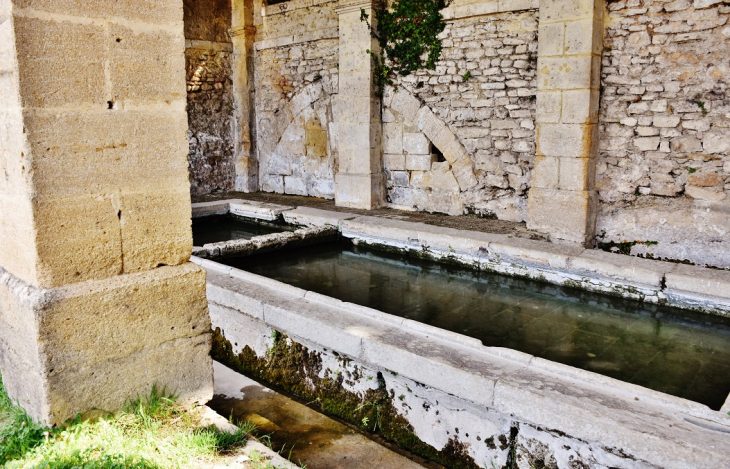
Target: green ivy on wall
407 32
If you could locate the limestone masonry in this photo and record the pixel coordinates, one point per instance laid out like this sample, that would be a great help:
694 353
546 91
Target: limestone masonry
602 123
98 301
209 76
595 123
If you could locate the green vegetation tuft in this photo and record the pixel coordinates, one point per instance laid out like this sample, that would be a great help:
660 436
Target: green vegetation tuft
701 105
408 34
18 433
150 432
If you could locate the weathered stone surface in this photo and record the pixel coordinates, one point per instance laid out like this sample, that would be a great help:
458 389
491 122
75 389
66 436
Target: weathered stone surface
314 217
150 319
717 142
667 229
297 125
115 143
567 136
207 21
363 190
578 407
704 193
416 144
479 100
418 162
660 84
566 215
143 11
156 55
603 264
131 153
257 210
360 181
204 209
535 253
211 134
96 173
699 281
69 69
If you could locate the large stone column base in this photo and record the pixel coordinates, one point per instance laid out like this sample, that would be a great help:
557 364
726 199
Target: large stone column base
96 344
364 191
569 216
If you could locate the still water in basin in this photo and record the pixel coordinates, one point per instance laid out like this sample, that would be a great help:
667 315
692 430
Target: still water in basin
215 229
670 350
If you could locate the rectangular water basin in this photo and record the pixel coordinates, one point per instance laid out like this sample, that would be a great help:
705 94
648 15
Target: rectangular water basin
669 350
218 228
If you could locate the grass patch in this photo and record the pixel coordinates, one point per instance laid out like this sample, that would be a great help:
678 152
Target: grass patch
18 433
151 432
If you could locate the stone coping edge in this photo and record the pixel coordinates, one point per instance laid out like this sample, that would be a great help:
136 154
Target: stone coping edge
451 339
457 10
307 236
678 285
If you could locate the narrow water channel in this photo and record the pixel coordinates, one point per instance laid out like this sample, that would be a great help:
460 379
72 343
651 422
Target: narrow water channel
217 228
666 349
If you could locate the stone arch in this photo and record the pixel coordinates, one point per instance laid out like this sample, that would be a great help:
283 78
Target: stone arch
297 147
437 132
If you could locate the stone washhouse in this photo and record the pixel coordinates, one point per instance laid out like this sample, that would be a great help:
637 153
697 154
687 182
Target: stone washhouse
596 123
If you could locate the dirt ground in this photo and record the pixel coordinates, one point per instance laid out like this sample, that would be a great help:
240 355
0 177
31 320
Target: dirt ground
463 222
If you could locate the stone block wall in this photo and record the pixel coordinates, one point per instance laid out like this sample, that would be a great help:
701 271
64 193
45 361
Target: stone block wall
662 174
296 76
97 299
208 65
664 170
484 90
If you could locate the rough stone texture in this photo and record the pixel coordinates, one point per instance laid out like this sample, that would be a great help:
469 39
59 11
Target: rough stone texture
150 320
663 173
484 90
16 231
207 20
208 57
210 114
563 200
94 201
133 154
663 126
360 181
487 404
296 104
243 33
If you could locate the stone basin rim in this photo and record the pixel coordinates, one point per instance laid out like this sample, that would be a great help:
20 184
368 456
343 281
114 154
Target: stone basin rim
470 345
678 285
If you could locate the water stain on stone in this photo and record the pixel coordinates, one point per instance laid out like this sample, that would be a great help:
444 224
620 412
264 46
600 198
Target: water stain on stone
304 435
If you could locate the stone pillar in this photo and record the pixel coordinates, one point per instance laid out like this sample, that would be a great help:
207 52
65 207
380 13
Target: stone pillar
563 200
360 181
243 33
98 301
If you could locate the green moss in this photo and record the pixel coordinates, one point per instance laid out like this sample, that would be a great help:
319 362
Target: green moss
292 367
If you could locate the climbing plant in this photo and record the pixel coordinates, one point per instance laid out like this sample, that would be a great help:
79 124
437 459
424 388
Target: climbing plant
408 34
